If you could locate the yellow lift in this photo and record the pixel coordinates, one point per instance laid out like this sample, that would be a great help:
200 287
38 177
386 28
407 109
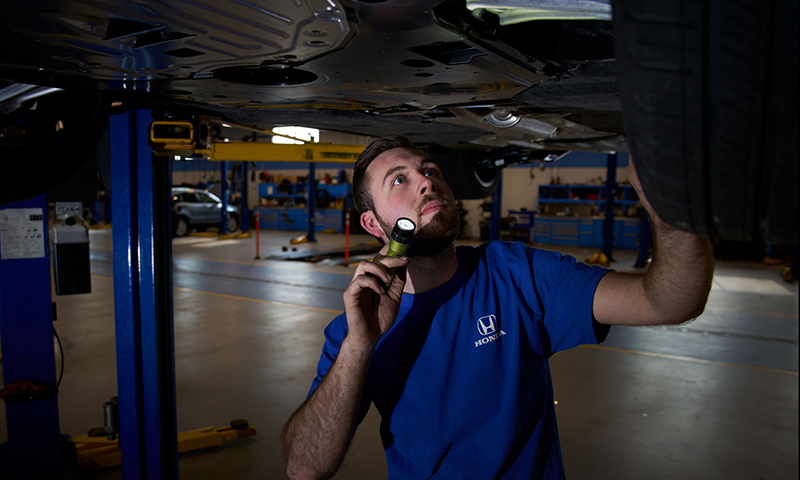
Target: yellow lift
100 452
185 138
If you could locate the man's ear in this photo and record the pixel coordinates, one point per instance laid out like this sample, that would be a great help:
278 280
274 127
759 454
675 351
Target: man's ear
371 224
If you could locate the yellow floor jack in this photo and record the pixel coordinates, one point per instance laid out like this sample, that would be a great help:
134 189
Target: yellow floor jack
100 447
599 258
298 240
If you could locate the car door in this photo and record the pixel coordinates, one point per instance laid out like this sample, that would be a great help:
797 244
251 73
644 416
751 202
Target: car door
188 206
211 208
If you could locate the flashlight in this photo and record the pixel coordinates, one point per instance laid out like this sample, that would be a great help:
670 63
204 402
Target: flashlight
398 242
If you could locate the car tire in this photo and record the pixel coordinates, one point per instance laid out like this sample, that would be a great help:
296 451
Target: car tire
36 157
233 223
466 180
182 226
709 96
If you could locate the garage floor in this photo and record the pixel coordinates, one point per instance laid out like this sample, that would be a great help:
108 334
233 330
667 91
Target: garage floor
716 398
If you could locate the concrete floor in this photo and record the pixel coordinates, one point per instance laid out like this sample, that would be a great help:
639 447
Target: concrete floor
716 398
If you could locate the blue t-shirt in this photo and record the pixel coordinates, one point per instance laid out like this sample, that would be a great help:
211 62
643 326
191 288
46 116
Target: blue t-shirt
462 380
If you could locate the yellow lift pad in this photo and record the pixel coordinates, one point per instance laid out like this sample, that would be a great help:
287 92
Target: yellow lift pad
100 452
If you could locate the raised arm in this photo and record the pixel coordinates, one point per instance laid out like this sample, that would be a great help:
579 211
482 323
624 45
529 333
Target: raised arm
317 435
675 287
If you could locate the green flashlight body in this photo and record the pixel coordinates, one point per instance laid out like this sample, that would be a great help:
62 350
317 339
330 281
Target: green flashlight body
396 249
399 240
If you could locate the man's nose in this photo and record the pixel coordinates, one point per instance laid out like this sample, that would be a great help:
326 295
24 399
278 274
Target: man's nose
427 186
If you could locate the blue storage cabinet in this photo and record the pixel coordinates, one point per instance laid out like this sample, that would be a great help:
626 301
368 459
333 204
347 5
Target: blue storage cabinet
585 231
521 228
590 232
299 190
564 230
289 218
541 230
280 218
626 233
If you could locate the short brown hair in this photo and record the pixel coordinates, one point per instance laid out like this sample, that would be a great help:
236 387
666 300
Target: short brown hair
361 195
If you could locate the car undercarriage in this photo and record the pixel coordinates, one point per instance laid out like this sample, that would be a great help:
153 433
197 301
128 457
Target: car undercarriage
540 76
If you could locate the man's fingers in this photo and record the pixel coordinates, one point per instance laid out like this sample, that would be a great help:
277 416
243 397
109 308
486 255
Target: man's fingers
362 282
371 269
398 283
394 262
379 268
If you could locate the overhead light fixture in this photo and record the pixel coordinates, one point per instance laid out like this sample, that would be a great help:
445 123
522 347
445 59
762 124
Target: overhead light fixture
300 133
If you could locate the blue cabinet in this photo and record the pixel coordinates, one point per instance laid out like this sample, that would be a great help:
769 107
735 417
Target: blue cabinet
626 233
590 232
522 224
299 190
584 231
296 218
281 218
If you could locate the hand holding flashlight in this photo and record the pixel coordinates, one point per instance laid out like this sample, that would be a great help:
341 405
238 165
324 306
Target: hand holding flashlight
399 240
370 305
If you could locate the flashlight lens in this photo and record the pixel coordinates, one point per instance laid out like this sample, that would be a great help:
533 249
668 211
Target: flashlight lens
405 224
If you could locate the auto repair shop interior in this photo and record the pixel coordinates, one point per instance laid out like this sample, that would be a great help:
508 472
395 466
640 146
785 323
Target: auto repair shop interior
163 302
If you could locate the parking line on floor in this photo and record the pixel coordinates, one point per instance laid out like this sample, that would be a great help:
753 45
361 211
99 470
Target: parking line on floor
260 263
236 297
690 359
272 264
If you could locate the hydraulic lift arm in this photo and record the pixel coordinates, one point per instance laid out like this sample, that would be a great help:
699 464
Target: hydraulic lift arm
194 139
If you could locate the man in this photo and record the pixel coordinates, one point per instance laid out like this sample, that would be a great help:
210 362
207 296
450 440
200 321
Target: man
454 354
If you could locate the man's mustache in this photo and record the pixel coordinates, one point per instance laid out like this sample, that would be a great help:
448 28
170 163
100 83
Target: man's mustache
433 197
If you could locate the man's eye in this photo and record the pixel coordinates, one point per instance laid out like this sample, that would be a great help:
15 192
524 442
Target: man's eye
431 173
399 180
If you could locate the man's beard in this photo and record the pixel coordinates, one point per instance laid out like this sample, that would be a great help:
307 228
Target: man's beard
437 235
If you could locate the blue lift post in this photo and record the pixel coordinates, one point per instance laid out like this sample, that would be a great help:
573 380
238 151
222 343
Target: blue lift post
608 222
245 211
223 172
143 301
33 449
496 219
312 201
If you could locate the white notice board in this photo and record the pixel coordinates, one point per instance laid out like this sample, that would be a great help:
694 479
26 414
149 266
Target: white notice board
21 233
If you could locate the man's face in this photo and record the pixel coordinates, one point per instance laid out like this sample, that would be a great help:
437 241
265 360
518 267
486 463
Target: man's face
404 183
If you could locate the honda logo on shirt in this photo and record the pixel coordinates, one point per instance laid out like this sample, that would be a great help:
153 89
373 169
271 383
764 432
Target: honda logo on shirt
487 325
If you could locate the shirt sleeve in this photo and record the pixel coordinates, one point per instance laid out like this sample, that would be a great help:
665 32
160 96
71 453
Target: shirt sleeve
334 336
566 288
